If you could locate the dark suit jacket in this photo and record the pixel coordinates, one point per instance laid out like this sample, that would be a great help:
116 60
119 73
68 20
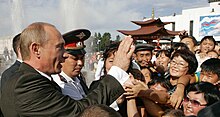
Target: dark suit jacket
7 75
9 72
28 93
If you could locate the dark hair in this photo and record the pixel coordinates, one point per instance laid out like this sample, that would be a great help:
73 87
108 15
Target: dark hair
99 110
110 49
156 78
210 91
16 43
179 46
137 74
211 65
211 38
192 38
189 57
149 68
167 53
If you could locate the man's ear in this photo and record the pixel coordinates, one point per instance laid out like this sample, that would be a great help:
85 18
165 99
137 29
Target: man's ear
35 49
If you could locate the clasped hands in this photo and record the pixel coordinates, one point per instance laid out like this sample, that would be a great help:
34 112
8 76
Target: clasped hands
134 88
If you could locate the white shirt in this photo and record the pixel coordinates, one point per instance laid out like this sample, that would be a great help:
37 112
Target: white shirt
70 86
200 61
99 70
45 75
121 76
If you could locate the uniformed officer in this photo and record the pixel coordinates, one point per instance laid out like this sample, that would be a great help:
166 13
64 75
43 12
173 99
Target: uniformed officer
71 79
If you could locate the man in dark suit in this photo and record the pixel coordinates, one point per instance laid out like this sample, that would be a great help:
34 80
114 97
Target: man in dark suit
6 75
32 92
11 70
71 79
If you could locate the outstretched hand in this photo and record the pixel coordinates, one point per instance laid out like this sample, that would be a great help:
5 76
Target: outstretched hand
133 90
123 55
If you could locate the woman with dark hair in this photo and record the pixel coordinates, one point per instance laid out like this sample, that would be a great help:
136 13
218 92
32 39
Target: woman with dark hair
108 57
198 96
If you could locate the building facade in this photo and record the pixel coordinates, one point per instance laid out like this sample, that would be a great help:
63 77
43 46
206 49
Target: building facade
198 22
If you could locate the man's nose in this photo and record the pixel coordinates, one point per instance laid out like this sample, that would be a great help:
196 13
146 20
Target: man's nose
80 62
65 55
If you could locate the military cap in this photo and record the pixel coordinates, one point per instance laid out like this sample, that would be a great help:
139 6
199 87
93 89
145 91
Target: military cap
143 46
74 41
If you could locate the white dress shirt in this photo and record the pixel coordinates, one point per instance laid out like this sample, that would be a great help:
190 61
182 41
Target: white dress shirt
69 86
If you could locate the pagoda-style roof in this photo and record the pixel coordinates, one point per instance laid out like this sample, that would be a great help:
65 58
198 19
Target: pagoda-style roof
151 22
150 29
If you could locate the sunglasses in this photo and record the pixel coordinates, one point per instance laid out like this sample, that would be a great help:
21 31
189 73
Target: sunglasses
193 102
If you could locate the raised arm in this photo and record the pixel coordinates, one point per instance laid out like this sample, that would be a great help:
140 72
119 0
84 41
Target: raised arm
177 97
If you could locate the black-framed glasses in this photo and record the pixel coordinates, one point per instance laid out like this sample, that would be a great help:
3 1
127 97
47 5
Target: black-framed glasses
180 65
193 102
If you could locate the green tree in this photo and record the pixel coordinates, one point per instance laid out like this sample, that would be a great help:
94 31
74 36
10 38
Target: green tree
96 42
105 41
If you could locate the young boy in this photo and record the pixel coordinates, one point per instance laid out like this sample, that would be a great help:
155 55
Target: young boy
210 71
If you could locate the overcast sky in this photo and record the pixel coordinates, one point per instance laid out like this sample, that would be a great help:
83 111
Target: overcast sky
95 15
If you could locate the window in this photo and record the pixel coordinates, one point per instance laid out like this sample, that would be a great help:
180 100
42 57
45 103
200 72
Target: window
173 26
191 28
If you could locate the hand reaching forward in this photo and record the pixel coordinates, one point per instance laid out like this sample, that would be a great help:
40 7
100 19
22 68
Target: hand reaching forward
123 55
132 91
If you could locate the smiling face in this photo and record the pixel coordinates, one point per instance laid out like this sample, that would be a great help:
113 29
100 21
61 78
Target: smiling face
73 65
193 103
143 57
178 67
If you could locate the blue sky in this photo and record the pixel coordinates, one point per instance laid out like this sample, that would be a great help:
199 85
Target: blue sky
95 15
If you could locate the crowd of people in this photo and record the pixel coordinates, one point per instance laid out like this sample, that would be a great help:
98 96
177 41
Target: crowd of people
46 79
